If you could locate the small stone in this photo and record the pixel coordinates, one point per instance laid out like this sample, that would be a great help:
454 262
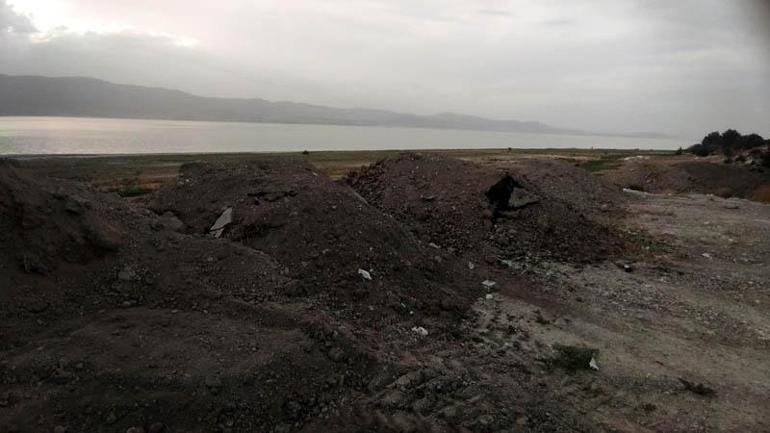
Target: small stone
393 398
365 274
488 284
336 354
450 412
127 274
419 330
157 427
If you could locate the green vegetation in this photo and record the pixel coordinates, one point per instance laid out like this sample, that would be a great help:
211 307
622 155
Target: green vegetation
133 190
601 164
729 144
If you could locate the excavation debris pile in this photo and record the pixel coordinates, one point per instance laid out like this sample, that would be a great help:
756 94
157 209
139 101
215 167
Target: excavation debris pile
322 233
113 316
545 209
705 177
153 328
41 228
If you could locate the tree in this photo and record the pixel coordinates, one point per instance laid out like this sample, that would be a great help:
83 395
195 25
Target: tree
765 161
730 139
751 141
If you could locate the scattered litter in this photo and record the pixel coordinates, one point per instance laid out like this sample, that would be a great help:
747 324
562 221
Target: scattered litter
634 191
432 245
223 221
488 284
593 364
471 266
489 297
365 274
697 388
419 330
707 255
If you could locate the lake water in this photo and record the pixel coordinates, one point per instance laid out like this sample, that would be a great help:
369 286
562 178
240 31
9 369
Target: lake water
64 135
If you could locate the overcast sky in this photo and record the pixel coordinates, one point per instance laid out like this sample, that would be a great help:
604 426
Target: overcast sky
684 67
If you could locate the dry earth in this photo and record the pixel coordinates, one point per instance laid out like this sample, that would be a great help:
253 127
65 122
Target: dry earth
121 315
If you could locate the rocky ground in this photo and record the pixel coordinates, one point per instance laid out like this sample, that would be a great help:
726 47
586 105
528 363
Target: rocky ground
264 296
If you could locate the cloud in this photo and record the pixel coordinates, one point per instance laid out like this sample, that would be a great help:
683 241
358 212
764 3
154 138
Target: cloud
558 22
683 67
12 22
494 12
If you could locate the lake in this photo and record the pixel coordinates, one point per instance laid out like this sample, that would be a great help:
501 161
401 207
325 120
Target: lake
65 135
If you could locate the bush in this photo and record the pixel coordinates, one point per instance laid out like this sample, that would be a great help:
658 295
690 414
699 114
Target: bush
727 143
765 161
699 150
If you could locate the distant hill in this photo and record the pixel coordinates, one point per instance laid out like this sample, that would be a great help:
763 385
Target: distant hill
88 97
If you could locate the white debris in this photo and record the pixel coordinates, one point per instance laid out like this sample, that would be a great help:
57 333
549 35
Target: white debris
419 330
433 245
365 274
223 221
593 364
706 255
488 284
634 191
489 297
471 266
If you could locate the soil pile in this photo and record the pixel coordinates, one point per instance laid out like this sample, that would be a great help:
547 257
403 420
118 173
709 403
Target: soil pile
42 227
705 177
155 329
323 233
545 209
265 297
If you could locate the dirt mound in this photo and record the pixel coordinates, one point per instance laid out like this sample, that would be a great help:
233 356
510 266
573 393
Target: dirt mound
42 226
705 177
323 233
532 208
161 329
259 297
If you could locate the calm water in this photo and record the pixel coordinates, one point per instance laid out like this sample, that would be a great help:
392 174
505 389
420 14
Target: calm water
64 135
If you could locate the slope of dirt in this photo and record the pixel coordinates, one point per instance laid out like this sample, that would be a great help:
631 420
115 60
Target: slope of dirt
680 175
130 315
320 231
555 208
162 329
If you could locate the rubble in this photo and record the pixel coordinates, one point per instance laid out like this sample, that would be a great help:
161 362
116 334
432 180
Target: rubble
222 222
531 209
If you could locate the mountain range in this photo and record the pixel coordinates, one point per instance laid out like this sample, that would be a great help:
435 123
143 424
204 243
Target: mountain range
89 97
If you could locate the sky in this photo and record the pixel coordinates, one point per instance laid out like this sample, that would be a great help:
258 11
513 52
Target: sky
682 67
